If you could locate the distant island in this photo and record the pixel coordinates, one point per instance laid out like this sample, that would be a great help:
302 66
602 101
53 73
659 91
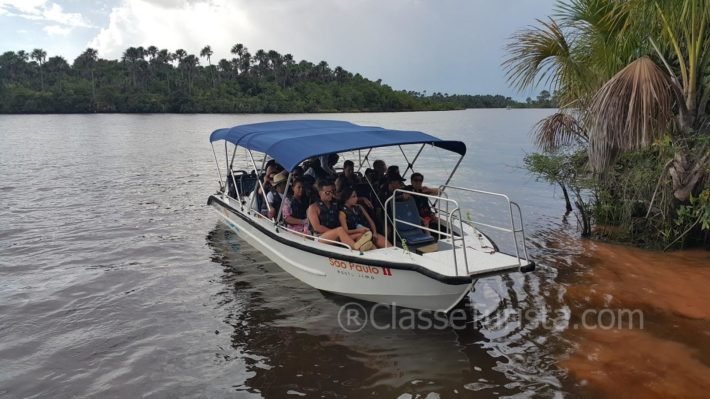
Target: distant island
152 80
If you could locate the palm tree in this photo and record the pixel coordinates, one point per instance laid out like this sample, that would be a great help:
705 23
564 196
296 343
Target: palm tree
207 52
627 73
40 56
87 61
189 64
152 51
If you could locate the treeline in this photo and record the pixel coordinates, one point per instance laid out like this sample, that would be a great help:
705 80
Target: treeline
156 80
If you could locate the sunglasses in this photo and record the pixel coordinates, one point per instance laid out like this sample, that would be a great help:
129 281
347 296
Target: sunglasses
417 180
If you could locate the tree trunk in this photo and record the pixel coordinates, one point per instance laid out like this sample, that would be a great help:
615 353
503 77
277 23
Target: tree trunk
568 204
684 177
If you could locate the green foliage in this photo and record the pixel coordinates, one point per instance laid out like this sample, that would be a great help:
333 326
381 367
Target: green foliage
632 82
568 170
152 80
696 213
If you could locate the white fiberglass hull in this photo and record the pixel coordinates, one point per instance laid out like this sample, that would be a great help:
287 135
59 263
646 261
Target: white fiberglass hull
344 272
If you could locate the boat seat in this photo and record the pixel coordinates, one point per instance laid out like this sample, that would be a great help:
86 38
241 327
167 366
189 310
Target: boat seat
407 211
245 184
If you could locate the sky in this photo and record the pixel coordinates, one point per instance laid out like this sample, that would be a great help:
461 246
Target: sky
448 46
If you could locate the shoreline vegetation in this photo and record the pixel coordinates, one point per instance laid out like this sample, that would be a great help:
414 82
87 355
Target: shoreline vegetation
630 144
152 80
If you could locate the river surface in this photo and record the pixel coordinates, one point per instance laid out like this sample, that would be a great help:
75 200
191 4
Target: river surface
116 280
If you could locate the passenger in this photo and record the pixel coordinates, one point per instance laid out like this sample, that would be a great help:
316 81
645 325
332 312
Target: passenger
392 170
323 218
380 168
393 182
355 220
328 163
322 167
314 169
309 188
297 172
425 210
295 208
275 196
348 177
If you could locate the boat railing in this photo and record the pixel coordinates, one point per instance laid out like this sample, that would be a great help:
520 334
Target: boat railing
445 236
512 209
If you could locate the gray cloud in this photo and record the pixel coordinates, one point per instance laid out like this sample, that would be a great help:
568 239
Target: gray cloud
452 46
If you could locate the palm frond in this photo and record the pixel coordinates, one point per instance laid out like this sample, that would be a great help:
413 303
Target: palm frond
630 111
558 130
539 54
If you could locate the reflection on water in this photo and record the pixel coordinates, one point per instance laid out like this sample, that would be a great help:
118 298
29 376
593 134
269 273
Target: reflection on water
116 280
296 343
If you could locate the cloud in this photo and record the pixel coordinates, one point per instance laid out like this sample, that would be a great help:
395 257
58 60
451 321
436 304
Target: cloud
57 30
42 10
183 24
453 46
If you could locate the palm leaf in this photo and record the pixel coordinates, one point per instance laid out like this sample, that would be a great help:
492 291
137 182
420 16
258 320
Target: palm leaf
539 54
630 111
558 130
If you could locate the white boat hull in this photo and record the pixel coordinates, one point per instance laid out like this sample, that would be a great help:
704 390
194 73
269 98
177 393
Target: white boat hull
344 272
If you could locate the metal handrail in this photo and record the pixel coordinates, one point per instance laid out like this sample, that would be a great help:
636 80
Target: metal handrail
512 228
450 233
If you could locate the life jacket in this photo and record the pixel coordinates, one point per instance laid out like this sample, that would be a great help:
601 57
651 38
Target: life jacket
328 217
353 217
277 200
299 207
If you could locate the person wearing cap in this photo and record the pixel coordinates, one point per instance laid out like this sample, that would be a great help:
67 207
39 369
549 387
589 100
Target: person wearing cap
275 196
393 181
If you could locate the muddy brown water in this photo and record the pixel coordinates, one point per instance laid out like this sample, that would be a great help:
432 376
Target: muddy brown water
116 280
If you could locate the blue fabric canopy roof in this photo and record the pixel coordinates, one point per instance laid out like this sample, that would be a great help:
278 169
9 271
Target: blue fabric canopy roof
291 142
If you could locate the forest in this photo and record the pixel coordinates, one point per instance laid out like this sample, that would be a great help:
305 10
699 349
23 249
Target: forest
152 80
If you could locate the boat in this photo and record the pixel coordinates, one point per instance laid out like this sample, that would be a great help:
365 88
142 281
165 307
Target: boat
434 276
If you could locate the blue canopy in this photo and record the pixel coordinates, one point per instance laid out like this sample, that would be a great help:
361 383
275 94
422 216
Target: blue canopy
291 142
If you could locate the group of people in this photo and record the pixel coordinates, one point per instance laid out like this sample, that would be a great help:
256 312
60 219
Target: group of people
326 204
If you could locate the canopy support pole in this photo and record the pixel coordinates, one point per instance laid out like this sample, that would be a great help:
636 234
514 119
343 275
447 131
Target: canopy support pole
234 153
251 204
411 165
364 160
217 162
231 174
278 215
449 178
226 160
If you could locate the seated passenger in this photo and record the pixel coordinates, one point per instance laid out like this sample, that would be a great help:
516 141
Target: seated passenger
348 177
355 220
314 169
276 194
295 207
323 218
392 183
322 167
380 168
428 216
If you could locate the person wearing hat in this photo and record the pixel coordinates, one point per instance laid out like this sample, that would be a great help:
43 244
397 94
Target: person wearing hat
275 196
393 181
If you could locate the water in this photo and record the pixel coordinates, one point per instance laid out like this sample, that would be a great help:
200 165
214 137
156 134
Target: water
116 280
